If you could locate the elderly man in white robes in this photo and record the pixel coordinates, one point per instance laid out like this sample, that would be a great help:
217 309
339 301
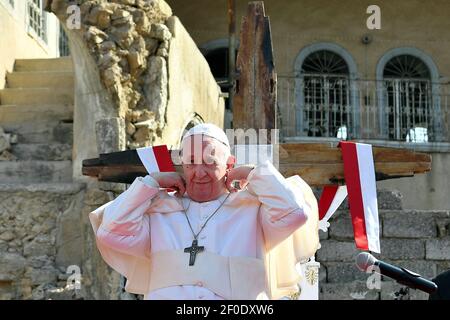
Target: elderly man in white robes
209 240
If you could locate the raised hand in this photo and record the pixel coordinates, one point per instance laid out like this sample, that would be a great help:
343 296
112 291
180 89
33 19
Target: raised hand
238 174
170 180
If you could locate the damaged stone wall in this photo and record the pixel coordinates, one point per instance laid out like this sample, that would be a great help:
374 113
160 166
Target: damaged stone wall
129 42
131 55
35 250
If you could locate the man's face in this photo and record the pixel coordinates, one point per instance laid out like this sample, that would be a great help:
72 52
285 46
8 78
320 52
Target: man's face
205 166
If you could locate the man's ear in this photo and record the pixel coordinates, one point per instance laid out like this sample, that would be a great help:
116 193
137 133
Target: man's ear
231 162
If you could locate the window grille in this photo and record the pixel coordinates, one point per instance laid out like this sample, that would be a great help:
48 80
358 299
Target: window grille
326 99
408 99
63 43
37 21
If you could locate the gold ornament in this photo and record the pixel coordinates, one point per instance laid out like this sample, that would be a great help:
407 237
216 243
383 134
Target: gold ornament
312 275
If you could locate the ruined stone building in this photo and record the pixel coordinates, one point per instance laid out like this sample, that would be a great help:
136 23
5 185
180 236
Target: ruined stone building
142 71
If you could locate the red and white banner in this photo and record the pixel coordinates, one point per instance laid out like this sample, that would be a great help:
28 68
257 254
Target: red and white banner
359 172
156 159
330 200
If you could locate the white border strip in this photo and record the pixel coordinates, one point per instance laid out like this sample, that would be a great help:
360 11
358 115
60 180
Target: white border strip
369 195
148 159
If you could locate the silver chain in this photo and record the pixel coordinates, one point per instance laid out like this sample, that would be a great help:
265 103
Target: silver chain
204 224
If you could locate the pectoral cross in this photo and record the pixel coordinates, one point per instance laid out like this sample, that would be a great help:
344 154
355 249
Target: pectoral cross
193 250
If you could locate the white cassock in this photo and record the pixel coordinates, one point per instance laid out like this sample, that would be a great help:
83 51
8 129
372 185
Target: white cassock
142 234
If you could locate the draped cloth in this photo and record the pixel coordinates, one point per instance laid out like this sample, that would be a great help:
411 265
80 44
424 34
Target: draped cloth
297 248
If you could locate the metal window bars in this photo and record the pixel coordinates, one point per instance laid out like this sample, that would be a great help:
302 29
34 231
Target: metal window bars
63 43
37 21
396 109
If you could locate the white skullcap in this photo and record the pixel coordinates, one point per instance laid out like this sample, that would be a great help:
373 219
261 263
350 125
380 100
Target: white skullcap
210 130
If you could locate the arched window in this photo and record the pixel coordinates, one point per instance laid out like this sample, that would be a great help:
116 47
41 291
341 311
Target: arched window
216 54
408 98
194 119
218 62
326 109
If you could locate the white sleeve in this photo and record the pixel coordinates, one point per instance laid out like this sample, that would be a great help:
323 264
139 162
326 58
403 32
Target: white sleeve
282 211
125 226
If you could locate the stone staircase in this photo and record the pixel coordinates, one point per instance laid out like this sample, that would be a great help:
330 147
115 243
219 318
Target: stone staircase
40 208
37 106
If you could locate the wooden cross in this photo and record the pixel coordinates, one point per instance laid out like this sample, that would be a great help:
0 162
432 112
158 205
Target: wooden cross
254 106
319 164
193 250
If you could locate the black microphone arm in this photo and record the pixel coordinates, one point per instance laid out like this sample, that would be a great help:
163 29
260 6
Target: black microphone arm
403 276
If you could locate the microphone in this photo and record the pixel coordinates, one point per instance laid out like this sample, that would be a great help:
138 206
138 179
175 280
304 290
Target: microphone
403 276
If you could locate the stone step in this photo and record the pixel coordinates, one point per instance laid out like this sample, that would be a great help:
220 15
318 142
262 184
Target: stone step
55 187
41 151
26 113
20 96
40 79
35 171
56 64
40 131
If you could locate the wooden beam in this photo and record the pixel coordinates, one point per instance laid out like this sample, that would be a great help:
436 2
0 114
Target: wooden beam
318 164
256 87
231 4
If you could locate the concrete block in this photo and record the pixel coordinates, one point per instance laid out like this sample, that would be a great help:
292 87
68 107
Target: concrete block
341 272
438 249
389 199
341 226
356 290
402 249
409 224
332 250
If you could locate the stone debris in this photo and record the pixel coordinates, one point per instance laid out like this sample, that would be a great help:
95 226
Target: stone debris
130 42
160 31
155 89
28 225
6 139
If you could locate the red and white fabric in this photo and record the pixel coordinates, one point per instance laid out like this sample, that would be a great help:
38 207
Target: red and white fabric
330 200
156 159
359 172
